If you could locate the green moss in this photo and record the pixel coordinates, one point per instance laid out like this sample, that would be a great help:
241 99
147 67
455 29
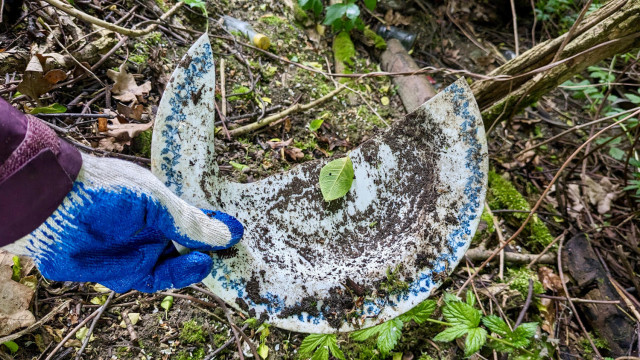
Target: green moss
377 40
272 20
393 284
138 59
241 91
192 333
503 195
162 5
141 144
519 280
343 48
198 354
299 15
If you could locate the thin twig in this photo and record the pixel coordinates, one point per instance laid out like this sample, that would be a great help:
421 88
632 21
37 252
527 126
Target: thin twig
107 25
515 27
290 110
571 31
35 325
80 115
527 302
87 337
70 334
542 197
577 300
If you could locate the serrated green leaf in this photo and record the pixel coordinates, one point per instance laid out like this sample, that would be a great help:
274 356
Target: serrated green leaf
476 338
336 178
310 343
496 325
324 343
471 299
633 98
617 153
389 334
51 109
364 334
332 343
459 313
321 354
420 313
451 333
448 297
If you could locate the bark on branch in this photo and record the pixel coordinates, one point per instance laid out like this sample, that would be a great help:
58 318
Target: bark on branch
613 29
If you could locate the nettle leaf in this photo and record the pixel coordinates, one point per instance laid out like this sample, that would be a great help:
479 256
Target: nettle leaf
459 313
420 313
471 299
324 343
390 332
476 338
336 178
364 334
496 325
451 333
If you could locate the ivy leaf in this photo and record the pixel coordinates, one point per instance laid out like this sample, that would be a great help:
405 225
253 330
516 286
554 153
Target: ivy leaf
476 338
390 332
336 178
496 325
459 313
370 4
420 313
451 333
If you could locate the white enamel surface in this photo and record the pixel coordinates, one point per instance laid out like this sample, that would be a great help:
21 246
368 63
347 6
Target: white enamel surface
298 247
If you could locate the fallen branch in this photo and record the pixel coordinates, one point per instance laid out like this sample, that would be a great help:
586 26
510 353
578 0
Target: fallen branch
480 254
107 25
290 110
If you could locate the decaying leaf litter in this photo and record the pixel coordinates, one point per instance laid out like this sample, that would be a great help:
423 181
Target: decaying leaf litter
589 197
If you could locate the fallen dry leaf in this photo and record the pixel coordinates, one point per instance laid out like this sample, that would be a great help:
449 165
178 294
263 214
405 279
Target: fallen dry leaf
134 111
294 153
110 144
573 192
14 303
126 132
125 88
601 194
394 18
6 258
35 81
550 280
279 144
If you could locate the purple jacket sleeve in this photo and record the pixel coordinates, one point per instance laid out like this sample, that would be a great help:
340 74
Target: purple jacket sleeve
37 170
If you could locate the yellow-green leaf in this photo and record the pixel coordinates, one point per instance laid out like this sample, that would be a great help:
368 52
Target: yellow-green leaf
336 178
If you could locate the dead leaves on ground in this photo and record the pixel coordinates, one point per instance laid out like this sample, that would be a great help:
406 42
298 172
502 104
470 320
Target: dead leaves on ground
125 87
14 299
36 81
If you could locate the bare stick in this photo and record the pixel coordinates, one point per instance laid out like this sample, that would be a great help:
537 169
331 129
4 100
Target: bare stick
87 337
571 31
290 110
480 254
526 305
515 27
576 300
223 90
107 25
70 334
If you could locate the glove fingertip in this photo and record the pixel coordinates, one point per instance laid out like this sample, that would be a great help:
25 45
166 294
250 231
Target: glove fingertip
235 227
176 273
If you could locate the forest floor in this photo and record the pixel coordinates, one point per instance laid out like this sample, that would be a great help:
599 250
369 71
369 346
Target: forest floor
477 36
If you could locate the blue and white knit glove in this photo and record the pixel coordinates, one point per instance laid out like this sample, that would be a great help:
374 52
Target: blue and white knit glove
116 226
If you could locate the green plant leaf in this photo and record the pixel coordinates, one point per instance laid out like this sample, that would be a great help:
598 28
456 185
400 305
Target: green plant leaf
238 166
336 178
420 313
390 332
471 299
324 343
334 13
476 338
370 4
496 325
12 346
197 4
633 98
364 334
451 333
352 11
459 313
166 303
617 153
315 124
314 5
524 331
51 109
263 350
16 269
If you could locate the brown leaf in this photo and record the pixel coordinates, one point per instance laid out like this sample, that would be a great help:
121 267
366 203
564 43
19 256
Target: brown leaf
33 83
392 18
279 144
134 112
601 194
14 303
110 144
550 280
6 258
294 153
55 76
125 88
126 132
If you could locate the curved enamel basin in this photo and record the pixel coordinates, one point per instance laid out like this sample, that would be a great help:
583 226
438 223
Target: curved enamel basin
312 266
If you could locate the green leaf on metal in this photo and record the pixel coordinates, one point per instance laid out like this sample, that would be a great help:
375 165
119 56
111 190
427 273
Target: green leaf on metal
336 178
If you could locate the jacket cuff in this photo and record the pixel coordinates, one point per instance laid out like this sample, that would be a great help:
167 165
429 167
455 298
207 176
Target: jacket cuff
34 179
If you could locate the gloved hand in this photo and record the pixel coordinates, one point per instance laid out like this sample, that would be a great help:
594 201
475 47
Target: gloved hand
115 227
